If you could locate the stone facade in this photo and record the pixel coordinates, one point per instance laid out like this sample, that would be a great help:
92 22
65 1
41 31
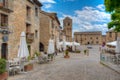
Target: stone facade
103 38
49 29
111 35
85 38
6 9
67 25
25 17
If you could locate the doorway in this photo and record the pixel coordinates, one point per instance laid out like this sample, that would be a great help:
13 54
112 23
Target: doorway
4 51
41 47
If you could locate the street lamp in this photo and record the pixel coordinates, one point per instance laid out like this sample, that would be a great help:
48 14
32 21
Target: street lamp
5 33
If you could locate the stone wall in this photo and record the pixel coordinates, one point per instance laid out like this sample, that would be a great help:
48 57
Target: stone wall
84 38
49 25
17 24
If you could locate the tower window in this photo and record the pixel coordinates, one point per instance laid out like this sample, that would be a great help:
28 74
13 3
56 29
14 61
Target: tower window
36 33
68 24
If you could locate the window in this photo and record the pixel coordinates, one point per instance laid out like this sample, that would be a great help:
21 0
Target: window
110 34
36 11
28 28
28 13
68 24
4 20
91 42
116 35
36 33
52 36
97 42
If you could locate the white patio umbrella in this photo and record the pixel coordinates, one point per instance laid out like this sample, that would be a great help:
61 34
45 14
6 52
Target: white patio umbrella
64 43
118 45
73 46
23 49
57 43
51 47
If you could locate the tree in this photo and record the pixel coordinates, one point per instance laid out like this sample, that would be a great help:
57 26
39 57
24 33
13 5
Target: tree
113 6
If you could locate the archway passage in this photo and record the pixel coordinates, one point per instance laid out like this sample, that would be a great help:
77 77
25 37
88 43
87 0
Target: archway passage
4 51
88 42
41 47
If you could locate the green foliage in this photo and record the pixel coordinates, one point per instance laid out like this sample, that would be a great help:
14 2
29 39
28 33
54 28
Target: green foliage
115 16
66 52
37 53
85 51
2 66
114 7
111 5
29 58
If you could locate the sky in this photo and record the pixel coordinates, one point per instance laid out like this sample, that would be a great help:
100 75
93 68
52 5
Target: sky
87 15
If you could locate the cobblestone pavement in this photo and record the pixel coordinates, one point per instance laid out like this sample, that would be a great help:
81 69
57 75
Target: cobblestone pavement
78 67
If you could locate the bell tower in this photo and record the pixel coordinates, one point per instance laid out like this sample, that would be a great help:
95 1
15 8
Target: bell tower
67 24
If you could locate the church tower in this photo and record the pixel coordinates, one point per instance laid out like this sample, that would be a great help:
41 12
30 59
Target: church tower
67 24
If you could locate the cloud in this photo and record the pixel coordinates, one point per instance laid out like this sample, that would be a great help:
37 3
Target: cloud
90 19
68 0
47 1
47 6
101 7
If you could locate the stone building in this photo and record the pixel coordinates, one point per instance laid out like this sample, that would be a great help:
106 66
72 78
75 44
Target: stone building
111 35
6 9
25 17
103 38
49 29
85 38
67 29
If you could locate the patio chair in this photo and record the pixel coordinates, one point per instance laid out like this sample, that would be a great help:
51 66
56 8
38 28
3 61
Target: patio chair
18 65
118 59
43 59
10 68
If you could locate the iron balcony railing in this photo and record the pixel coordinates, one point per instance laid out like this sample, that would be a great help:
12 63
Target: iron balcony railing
30 37
6 5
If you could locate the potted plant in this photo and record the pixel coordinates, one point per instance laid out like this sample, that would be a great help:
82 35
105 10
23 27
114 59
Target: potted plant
37 54
66 54
3 73
29 66
85 51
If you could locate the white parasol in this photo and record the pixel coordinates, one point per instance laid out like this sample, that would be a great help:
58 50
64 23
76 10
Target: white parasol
23 49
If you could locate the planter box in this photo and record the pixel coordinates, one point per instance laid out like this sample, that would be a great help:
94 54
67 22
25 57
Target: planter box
28 67
66 56
4 76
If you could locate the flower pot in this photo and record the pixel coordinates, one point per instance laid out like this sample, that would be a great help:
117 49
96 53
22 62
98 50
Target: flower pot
4 76
28 67
66 56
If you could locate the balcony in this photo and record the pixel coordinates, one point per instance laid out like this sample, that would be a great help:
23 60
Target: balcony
30 37
6 5
28 20
4 30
